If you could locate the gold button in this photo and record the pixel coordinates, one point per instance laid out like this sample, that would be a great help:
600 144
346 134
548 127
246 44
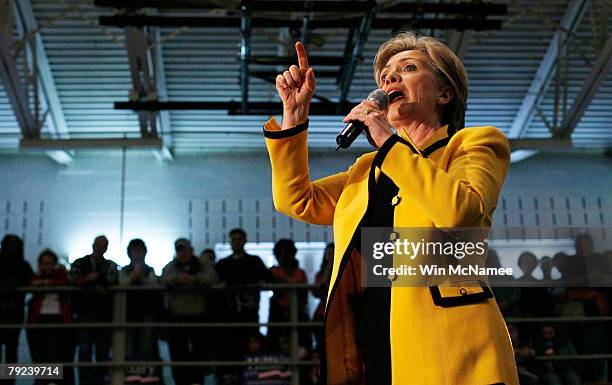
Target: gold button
463 291
396 200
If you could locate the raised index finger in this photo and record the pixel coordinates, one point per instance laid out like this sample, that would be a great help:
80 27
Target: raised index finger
301 54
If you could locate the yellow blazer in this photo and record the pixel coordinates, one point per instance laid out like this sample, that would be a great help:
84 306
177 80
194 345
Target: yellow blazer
442 337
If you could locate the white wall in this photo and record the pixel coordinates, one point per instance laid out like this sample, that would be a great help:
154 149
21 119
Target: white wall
202 197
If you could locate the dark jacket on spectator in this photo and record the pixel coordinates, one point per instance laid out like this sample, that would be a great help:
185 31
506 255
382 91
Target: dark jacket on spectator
13 274
97 303
248 270
141 305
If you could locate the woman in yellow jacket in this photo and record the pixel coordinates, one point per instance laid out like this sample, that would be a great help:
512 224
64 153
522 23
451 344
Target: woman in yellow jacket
428 172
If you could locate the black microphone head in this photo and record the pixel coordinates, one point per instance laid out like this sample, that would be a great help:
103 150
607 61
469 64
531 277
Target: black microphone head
355 127
381 97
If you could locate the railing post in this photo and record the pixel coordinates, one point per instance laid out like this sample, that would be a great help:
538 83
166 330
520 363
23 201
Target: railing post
119 338
293 317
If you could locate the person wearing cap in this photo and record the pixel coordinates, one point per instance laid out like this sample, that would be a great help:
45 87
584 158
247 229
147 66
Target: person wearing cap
185 277
427 171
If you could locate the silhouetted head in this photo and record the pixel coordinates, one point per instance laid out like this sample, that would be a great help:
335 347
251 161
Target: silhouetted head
99 246
527 261
137 250
285 251
237 239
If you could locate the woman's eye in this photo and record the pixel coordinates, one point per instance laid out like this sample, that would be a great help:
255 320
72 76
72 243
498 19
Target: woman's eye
410 67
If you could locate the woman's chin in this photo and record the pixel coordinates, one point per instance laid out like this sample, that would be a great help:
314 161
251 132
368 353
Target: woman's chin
398 114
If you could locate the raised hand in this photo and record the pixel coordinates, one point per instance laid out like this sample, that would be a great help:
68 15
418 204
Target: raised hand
295 88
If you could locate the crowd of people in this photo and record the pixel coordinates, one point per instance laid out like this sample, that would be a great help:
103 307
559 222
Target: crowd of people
572 292
187 299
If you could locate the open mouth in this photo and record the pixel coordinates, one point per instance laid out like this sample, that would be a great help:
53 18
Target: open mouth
394 95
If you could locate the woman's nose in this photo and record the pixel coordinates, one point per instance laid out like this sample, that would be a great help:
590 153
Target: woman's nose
392 77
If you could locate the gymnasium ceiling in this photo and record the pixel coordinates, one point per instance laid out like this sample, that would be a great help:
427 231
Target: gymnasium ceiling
87 71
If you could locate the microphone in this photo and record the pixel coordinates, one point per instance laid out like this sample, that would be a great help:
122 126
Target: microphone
355 127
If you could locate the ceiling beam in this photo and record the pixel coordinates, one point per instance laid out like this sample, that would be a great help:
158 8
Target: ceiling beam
537 89
16 94
459 8
540 144
405 22
140 70
346 79
165 126
589 89
56 119
459 41
146 69
245 52
233 107
89 143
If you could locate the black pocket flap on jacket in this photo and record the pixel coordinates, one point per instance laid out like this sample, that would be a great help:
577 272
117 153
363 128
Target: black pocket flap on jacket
449 296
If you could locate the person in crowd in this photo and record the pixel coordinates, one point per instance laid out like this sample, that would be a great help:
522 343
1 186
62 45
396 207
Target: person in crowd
186 277
288 271
259 352
600 270
535 300
524 354
94 274
14 272
143 306
507 296
555 372
559 293
49 345
322 280
547 265
590 337
577 263
527 262
560 262
215 304
240 304
587 301
427 170
209 254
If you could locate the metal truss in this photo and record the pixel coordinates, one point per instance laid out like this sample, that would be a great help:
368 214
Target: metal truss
146 69
359 17
31 91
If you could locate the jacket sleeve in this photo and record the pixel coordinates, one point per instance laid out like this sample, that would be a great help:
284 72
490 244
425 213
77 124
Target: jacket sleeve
111 276
151 278
76 274
169 275
463 194
293 192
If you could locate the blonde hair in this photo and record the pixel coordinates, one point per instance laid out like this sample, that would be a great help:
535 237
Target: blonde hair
445 64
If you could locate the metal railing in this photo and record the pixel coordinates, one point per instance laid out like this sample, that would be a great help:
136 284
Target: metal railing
119 327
